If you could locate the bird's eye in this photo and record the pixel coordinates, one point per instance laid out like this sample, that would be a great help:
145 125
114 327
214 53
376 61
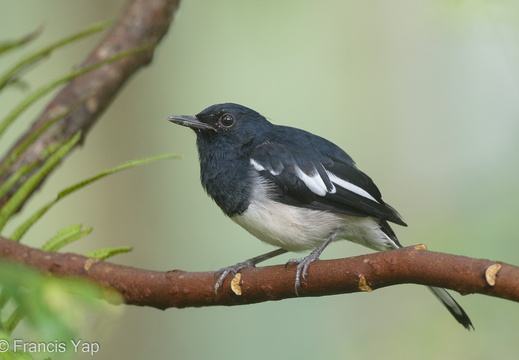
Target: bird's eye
227 120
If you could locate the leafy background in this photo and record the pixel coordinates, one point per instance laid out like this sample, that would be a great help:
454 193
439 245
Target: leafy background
422 94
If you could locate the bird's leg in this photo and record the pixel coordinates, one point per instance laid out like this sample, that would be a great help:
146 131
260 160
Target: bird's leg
222 273
304 263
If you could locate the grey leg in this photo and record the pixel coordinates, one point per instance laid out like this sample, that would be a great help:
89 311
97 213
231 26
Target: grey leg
222 273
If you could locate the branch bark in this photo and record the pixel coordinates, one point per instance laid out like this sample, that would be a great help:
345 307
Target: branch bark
181 289
142 23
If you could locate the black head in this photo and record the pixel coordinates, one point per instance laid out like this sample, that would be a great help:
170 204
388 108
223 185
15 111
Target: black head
236 123
226 134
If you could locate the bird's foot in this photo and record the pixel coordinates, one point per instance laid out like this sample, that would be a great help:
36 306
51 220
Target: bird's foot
234 269
302 268
222 273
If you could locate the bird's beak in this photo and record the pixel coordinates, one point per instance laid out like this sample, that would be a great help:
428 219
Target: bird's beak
189 121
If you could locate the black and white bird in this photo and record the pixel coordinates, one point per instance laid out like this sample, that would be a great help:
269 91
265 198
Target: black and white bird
291 189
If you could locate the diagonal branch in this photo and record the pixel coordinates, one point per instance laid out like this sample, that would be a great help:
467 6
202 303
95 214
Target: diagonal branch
181 289
143 23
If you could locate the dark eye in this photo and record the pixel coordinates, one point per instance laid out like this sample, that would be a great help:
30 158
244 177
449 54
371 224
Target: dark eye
227 120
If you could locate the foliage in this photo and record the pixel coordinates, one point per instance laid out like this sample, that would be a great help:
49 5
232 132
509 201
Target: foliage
50 305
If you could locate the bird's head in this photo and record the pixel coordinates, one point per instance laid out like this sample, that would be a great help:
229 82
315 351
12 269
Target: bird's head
235 123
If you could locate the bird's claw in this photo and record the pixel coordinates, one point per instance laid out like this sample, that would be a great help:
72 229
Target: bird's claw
302 269
234 269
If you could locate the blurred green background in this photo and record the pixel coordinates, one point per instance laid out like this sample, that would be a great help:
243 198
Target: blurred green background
422 94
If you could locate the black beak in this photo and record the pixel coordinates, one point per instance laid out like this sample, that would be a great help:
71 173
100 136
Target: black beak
190 121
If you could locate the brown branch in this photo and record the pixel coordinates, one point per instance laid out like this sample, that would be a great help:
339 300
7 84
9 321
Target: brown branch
180 289
143 23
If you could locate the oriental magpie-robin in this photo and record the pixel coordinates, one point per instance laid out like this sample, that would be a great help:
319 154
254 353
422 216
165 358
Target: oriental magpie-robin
291 189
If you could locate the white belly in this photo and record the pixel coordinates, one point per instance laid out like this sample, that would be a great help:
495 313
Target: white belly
299 229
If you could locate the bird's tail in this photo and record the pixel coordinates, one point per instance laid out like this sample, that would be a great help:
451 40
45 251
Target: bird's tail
454 308
447 300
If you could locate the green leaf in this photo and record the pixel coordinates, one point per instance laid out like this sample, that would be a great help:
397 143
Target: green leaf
25 64
47 303
66 236
26 225
126 165
14 178
16 316
36 95
18 354
6 46
25 190
103 254
34 135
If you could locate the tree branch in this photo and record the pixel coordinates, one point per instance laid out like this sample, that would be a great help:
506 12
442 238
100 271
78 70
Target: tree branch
143 23
181 289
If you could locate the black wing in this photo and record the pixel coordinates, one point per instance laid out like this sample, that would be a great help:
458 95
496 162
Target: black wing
323 180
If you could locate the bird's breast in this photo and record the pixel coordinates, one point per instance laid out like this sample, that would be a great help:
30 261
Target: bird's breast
225 179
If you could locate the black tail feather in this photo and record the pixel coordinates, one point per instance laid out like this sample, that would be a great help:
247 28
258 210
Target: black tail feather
454 308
